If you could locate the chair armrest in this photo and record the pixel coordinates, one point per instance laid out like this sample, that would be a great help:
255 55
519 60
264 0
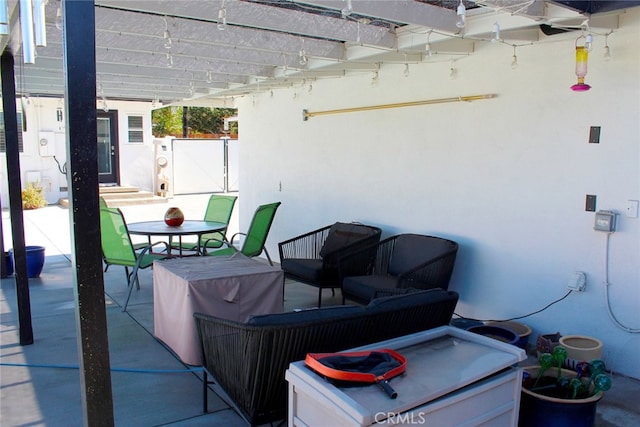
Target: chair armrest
368 260
306 245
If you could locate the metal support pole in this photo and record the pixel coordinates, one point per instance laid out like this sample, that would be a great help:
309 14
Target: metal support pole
82 156
15 196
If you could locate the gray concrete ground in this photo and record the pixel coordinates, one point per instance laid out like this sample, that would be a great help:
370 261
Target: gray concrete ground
40 383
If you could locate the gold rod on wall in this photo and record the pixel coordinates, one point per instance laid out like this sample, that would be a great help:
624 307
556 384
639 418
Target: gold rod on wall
306 114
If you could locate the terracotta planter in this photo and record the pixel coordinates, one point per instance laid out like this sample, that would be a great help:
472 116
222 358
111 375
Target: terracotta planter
174 217
580 348
537 410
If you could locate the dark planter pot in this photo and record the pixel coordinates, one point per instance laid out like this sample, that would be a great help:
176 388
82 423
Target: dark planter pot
35 260
496 332
537 410
7 265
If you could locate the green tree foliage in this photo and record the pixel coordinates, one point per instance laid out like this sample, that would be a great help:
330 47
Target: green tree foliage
168 120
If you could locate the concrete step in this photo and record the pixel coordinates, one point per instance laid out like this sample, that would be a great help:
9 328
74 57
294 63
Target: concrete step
109 189
124 196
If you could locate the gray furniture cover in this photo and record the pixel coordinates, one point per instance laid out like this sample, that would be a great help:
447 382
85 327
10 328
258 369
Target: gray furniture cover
397 264
312 258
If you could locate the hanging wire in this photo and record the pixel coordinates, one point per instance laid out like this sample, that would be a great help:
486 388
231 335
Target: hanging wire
517 317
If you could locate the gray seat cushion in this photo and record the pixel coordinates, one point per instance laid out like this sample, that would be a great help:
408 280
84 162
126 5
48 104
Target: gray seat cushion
306 269
363 288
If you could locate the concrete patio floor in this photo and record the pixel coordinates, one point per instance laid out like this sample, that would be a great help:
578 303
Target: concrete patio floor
40 383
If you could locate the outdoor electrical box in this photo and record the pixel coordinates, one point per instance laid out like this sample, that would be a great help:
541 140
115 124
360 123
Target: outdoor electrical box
605 221
47 144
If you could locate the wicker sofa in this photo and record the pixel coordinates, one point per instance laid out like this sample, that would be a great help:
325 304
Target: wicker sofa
248 360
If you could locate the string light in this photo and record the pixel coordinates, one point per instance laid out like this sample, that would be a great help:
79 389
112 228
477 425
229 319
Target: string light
452 71
375 78
427 47
59 22
588 44
514 59
462 16
406 70
607 51
302 55
167 35
222 17
105 107
496 32
347 10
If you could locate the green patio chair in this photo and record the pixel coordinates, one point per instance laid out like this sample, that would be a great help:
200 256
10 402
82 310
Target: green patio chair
255 237
117 248
219 209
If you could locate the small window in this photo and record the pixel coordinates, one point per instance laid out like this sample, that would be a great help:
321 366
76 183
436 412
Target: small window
3 142
136 131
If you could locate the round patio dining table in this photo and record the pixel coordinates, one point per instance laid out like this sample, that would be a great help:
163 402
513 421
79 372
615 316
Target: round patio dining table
187 228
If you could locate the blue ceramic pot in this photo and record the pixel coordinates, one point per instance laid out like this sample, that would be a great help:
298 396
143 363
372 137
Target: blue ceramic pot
35 260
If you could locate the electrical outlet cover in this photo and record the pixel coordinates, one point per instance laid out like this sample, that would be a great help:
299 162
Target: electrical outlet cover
577 282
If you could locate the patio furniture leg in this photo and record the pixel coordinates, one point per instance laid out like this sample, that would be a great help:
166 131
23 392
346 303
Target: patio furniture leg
205 392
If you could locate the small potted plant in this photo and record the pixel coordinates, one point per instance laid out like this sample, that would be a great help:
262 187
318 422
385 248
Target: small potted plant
33 196
553 396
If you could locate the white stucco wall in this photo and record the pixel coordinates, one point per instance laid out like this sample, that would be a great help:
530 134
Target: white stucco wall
506 178
135 159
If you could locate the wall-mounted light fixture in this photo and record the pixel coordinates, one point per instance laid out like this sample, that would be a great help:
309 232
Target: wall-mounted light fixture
582 56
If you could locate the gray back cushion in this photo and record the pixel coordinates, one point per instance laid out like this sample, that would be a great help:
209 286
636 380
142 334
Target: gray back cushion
342 234
412 250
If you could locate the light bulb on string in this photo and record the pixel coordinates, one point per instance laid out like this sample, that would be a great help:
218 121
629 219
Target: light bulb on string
222 17
302 55
303 60
607 51
427 47
462 18
588 44
514 59
452 71
59 22
496 32
347 10
166 35
406 70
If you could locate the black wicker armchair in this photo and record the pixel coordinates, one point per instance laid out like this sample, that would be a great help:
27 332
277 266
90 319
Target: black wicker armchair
397 265
312 258
248 360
